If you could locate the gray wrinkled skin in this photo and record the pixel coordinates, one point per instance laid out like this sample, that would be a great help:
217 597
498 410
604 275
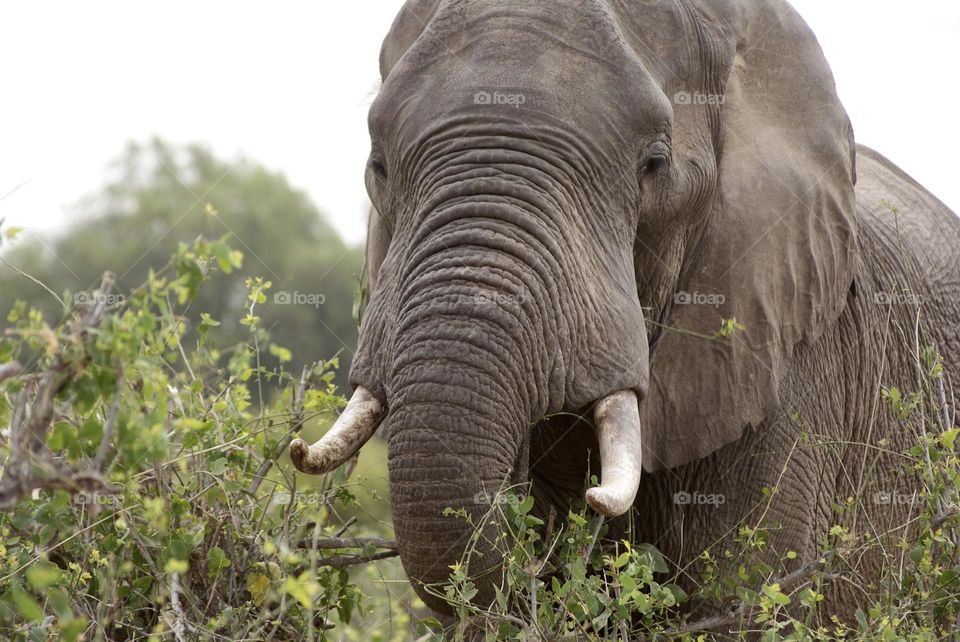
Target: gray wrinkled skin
549 179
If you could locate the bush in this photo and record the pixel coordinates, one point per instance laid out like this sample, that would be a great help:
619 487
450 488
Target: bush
142 496
147 497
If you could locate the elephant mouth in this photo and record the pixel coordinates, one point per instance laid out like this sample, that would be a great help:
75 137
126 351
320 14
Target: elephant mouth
616 418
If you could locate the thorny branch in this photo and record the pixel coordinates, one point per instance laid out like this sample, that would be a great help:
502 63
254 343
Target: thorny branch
298 402
736 615
367 545
30 423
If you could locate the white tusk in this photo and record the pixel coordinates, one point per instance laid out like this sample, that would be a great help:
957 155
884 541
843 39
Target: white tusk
357 423
617 418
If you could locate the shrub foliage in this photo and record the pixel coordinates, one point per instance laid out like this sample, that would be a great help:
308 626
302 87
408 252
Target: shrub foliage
145 496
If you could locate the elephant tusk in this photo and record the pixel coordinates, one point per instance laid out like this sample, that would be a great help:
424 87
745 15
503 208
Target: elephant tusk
357 423
617 418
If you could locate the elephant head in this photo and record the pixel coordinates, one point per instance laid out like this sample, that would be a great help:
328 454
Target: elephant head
550 179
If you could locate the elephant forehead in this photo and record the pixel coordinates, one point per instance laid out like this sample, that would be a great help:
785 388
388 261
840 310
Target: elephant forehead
586 21
610 33
529 61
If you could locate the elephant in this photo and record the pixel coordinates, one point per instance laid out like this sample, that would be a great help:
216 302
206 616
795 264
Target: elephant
652 215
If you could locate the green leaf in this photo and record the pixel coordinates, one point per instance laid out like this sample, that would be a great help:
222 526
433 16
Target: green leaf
428 625
257 585
949 438
219 466
679 595
42 575
216 561
70 630
281 353
26 605
206 321
773 592
656 557
526 505
747 596
302 588
59 601
221 251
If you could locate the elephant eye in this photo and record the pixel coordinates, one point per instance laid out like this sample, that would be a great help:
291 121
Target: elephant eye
378 167
656 165
656 161
375 179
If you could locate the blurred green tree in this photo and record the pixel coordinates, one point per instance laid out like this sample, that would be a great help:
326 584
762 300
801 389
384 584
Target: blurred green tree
159 195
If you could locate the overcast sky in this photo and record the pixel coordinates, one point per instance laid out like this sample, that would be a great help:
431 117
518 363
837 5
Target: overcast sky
288 84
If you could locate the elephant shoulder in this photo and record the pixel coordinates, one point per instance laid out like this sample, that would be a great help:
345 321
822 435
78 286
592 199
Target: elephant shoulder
883 187
905 231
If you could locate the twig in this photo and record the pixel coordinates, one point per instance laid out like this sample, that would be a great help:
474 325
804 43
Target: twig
944 406
351 542
805 572
388 549
19 412
13 488
9 370
27 443
267 463
35 280
178 624
593 540
943 518
101 457
343 529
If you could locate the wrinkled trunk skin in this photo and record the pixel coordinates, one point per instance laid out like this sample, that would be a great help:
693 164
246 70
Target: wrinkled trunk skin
430 471
461 406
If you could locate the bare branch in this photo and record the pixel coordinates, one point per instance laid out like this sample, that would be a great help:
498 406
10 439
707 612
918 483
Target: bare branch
351 542
281 446
101 457
342 561
733 617
28 441
8 370
13 488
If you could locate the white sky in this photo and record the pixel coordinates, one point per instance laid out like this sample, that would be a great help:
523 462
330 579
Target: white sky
288 84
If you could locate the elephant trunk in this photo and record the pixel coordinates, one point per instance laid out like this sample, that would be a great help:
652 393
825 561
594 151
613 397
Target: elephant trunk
440 459
483 325
467 382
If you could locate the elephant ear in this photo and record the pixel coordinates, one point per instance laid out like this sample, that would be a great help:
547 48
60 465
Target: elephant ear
409 25
778 246
378 241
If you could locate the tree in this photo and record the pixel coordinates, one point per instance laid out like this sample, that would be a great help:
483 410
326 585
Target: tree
160 196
